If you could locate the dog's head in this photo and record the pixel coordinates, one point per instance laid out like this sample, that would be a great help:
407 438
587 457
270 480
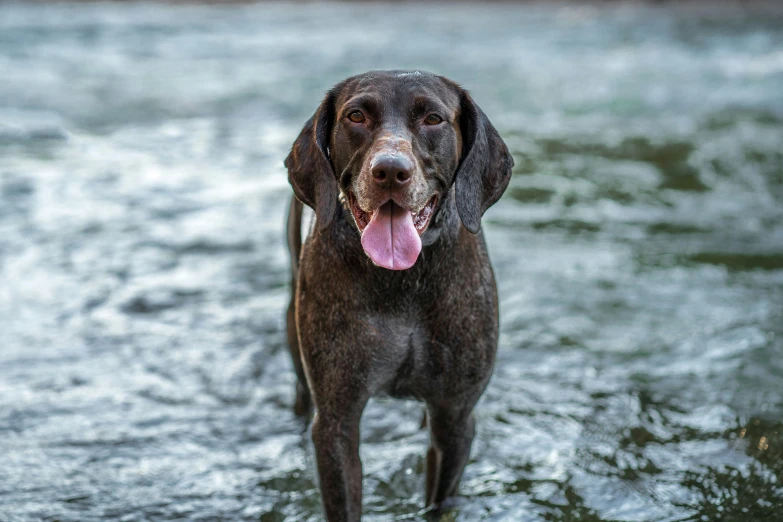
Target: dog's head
393 143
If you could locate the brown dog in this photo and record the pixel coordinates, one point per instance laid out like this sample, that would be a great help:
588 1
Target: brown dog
393 292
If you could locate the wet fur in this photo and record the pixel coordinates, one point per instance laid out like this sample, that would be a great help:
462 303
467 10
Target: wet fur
356 330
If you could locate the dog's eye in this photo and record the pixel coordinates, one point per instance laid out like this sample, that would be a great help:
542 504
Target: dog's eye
356 117
433 119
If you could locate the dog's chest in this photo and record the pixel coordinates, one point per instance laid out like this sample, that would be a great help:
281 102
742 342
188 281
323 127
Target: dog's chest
409 361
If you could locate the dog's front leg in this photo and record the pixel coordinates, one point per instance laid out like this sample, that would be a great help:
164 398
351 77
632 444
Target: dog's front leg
337 365
336 440
451 431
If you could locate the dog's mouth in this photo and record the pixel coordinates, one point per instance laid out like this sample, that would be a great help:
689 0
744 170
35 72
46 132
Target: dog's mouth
421 218
391 234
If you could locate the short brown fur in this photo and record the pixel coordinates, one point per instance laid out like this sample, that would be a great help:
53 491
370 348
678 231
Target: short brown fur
357 330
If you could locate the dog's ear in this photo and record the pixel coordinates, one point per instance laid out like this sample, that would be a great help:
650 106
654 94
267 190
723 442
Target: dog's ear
485 167
310 170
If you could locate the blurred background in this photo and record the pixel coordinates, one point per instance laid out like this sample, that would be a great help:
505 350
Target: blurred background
638 252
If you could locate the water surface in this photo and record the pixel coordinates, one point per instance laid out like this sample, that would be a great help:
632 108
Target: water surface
143 278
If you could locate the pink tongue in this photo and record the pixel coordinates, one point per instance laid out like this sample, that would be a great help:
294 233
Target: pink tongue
390 238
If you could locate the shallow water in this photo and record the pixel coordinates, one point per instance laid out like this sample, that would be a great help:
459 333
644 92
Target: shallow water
143 278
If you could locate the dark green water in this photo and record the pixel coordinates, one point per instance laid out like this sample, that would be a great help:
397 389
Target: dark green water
143 279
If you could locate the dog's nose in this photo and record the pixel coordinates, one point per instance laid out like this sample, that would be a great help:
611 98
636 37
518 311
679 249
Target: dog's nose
392 171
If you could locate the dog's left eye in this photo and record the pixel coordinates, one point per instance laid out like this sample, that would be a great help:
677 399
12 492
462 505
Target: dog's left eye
433 119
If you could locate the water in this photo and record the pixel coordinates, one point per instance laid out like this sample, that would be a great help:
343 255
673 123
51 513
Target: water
143 278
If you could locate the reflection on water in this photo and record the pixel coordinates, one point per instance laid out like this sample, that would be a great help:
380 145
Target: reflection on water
639 253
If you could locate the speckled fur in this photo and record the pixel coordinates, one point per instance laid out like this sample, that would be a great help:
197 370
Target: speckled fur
357 330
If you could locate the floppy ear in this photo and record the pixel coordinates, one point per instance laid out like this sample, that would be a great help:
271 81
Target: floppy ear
310 170
485 168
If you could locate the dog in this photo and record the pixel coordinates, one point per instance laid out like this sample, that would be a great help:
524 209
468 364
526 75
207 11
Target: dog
392 291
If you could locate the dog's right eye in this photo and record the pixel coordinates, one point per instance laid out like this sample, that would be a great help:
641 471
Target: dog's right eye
356 116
